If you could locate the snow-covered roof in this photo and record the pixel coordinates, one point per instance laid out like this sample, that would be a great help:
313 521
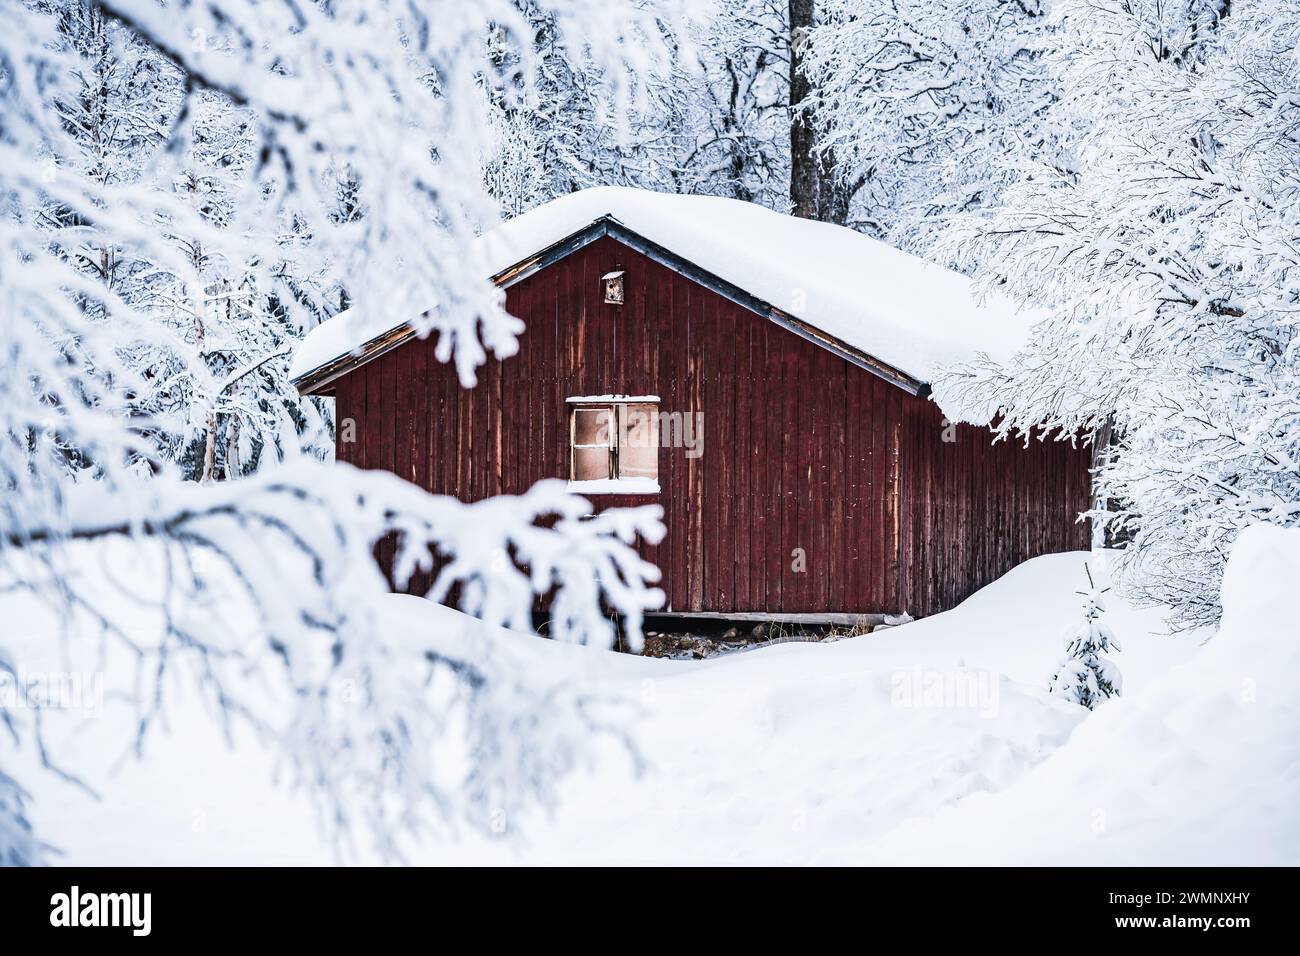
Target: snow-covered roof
901 310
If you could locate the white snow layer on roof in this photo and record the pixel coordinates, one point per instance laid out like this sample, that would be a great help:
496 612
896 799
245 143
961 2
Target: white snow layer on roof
909 313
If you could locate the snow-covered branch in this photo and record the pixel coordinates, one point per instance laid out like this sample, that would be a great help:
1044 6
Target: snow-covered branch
1169 260
184 188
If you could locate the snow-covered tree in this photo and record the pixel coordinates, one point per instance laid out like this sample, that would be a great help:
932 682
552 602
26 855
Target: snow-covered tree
124 98
513 169
374 103
739 105
234 404
1165 259
928 106
1084 676
714 121
551 112
114 110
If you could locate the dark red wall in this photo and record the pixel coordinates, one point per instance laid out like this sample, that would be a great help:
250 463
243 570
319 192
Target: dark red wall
801 448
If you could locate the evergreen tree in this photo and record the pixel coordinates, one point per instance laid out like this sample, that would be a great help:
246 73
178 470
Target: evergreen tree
1084 676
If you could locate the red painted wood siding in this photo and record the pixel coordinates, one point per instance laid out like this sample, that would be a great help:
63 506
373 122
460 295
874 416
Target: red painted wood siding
802 450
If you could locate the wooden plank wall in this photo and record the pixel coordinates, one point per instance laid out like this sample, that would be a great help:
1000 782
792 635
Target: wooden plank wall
975 510
821 487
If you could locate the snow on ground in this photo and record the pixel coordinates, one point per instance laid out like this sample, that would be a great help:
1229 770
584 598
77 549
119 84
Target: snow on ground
932 742
1201 765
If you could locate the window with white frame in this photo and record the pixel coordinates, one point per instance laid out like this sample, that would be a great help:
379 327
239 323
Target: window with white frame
614 442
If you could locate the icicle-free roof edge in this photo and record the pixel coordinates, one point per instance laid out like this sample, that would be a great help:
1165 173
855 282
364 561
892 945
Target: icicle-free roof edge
838 288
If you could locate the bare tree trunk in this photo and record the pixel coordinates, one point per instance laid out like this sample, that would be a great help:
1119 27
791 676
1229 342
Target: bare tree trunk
815 190
349 210
232 451
803 164
835 194
1105 445
1101 440
210 449
201 345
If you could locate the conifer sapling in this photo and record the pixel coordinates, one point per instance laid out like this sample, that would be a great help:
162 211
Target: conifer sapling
1084 676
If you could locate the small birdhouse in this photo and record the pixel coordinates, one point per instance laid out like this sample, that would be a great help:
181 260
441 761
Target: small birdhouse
613 287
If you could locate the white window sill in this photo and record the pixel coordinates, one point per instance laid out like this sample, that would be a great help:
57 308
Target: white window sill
612 399
615 486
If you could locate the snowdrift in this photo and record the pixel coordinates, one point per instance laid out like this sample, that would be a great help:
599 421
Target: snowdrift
1201 766
935 742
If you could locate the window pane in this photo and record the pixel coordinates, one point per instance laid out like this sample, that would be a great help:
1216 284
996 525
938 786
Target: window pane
592 426
590 464
638 455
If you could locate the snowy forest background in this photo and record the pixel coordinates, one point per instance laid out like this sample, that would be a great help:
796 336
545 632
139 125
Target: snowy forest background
187 187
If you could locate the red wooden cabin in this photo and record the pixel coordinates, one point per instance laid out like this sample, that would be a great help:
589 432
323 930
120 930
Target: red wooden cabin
827 482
